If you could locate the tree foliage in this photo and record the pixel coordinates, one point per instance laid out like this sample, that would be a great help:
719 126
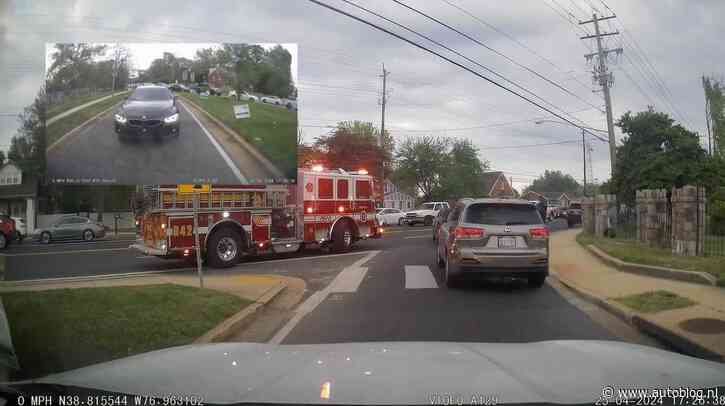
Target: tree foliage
655 153
715 110
76 66
440 169
555 182
27 147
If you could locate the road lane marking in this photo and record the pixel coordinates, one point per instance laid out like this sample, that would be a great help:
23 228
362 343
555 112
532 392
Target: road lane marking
218 147
344 278
419 277
417 236
27 254
301 258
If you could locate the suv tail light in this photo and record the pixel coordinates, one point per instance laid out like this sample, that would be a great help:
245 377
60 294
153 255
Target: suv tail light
539 233
468 233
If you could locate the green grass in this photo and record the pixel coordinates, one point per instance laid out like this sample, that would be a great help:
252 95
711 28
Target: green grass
272 130
67 123
70 102
632 251
58 330
656 301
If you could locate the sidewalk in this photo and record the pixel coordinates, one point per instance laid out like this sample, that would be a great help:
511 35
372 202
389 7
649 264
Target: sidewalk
81 107
583 272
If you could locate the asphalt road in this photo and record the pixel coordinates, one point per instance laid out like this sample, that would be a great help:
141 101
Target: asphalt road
385 290
195 156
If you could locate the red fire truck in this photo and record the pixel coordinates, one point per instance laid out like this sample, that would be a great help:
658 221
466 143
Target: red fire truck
325 208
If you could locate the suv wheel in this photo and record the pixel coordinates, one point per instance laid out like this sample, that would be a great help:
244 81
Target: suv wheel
536 281
3 241
400 221
451 274
439 259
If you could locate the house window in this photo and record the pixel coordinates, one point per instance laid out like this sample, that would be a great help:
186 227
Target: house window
324 188
342 189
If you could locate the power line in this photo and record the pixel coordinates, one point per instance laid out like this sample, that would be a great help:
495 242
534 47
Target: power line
531 145
501 54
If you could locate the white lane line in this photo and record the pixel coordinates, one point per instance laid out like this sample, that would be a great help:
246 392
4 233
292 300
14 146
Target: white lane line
345 280
27 254
419 277
321 256
417 236
218 147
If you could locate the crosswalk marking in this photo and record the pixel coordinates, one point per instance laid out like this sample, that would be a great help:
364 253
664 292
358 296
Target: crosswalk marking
419 277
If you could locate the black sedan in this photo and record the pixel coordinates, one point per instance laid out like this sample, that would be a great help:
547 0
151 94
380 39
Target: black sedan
149 110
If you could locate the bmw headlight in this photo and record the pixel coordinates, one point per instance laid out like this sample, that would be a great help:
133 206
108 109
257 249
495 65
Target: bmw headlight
172 118
120 118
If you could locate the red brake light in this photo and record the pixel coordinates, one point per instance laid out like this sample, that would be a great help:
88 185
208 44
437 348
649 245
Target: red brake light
539 233
468 233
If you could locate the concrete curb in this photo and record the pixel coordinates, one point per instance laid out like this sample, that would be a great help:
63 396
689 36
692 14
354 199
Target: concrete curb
702 278
84 124
645 325
246 145
242 318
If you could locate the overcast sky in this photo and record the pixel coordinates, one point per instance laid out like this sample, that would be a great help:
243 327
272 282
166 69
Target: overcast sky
340 62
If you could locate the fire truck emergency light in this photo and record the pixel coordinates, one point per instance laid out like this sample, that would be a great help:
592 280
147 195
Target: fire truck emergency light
317 168
362 172
309 209
340 209
225 214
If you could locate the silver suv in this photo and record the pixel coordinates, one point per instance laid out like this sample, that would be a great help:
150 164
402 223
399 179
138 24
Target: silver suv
494 237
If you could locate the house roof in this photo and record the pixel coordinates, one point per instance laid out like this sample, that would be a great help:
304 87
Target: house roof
28 188
489 180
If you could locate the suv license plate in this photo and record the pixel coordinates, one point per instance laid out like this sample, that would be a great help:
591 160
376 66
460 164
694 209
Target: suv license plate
506 242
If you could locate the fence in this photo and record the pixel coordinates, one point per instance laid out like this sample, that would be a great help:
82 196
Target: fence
714 225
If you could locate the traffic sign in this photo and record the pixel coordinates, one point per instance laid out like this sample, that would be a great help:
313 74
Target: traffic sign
241 111
188 189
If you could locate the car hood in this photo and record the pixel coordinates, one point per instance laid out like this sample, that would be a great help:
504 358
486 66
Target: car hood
564 371
150 109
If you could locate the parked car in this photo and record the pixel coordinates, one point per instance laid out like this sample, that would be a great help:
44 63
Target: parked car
494 237
7 230
149 110
424 214
21 229
271 100
390 216
248 97
440 219
70 228
574 214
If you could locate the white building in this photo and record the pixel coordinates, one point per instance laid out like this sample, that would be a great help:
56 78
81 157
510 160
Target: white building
18 194
395 199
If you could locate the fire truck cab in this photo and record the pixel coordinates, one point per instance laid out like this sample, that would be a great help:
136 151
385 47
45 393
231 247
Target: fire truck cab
328 209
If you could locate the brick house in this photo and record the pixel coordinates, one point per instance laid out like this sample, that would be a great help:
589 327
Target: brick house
497 185
216 78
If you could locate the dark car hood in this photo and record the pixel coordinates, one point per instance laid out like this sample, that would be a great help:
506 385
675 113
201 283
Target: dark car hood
150 109
564 371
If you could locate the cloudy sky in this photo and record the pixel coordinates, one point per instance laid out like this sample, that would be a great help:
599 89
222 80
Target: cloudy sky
667 47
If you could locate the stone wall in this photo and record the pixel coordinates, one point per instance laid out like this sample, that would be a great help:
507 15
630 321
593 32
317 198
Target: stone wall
605 209
588 215
653 217
688 224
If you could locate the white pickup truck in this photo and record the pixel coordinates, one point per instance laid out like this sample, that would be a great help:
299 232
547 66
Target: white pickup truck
424 214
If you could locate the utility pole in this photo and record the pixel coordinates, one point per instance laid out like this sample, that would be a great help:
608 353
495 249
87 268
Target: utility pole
383 101
584 155
604 78
707 115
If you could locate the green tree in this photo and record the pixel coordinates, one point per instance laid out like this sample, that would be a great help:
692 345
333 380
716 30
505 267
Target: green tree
715 113
655 153
354 145
2 158
71 65
461 173
555 181
27 147
421 163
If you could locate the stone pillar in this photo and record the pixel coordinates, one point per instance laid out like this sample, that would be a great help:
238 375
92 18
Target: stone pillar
652 217
588 215
604 208
30 215
688 220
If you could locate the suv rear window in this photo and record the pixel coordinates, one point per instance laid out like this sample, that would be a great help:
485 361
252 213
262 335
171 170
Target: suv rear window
575 206
502 214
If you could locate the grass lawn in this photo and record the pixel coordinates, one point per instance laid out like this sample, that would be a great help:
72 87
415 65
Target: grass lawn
70 102
632 251
58 330
65 124
656 301
272 129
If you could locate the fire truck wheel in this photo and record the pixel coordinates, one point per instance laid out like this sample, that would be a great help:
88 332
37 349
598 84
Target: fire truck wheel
224 248
341 238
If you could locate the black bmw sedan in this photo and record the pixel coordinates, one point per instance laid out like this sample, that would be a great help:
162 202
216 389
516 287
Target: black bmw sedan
149 110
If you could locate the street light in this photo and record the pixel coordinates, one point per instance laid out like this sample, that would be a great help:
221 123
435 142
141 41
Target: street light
584 145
